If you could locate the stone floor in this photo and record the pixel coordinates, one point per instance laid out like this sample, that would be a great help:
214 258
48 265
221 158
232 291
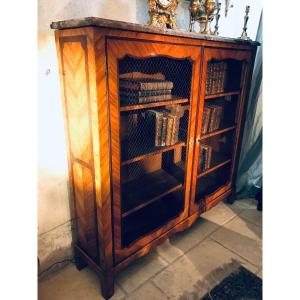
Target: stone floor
185 267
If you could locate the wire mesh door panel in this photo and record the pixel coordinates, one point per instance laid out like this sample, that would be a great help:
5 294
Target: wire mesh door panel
222 98
151 99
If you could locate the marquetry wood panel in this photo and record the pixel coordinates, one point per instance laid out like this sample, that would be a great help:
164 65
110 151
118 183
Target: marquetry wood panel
83 78
85 208
116 50
76 90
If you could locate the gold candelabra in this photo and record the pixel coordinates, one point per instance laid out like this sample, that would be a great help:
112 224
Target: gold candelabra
203 12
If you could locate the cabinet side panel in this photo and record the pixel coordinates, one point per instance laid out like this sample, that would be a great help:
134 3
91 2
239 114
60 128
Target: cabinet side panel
85 216
75 79
73 55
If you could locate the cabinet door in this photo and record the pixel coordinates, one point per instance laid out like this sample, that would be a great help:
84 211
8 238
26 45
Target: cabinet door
222 96
152 139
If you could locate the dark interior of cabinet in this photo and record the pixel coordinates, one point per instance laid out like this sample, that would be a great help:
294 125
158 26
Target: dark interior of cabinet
152 176
151 217
211 182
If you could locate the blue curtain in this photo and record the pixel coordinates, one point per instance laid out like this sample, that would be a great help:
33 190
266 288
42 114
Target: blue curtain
249 174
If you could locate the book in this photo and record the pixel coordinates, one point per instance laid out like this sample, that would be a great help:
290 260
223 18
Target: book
154 124
215 117
205 157
205 120
143 93
164 131
145 84
169 129
137 100
175 132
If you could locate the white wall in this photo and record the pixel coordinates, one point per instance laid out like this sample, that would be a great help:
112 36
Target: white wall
54 209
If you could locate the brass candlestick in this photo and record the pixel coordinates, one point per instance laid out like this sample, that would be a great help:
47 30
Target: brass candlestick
244 35
216 32
207 18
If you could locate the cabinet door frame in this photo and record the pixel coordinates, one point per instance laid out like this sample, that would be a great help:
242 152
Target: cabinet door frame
212 53
118 49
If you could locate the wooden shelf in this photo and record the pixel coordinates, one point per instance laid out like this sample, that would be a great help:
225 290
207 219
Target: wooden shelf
146 151
153 104
208 135
147 189
140 223
207 97
214 168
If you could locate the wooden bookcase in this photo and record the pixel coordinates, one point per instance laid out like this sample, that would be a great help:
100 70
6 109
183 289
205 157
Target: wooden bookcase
130 195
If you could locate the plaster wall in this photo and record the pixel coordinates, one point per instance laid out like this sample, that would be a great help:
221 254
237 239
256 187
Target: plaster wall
55 212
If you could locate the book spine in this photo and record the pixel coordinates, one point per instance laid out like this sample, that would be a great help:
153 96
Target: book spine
158 128
164 131
169 130
208 157
206 113
212 119
159 85
136 93
203 158
176 129
139 100
219 117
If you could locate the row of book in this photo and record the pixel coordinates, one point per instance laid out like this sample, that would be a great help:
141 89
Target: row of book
215 78
163 126
144 90
212 116
205 157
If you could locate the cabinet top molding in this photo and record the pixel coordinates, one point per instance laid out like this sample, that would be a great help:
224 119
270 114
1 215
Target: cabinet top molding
113 24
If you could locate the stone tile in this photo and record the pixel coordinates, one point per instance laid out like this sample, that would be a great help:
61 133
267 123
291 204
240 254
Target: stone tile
147 291
221 213
140 271
71 284
259 274
247 203
199 270
253 216
243 238
181 242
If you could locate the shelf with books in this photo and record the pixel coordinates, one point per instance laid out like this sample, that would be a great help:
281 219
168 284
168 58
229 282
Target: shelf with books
147 189
173 101
219 95
217 132
215 151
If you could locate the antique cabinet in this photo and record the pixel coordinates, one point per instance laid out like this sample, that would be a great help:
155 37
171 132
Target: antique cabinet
130 193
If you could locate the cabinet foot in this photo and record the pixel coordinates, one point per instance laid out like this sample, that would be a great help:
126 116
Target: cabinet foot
231 198
79 262
107 285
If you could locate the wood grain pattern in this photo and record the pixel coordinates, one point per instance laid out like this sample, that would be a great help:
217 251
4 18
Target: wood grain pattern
89 87
77 115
